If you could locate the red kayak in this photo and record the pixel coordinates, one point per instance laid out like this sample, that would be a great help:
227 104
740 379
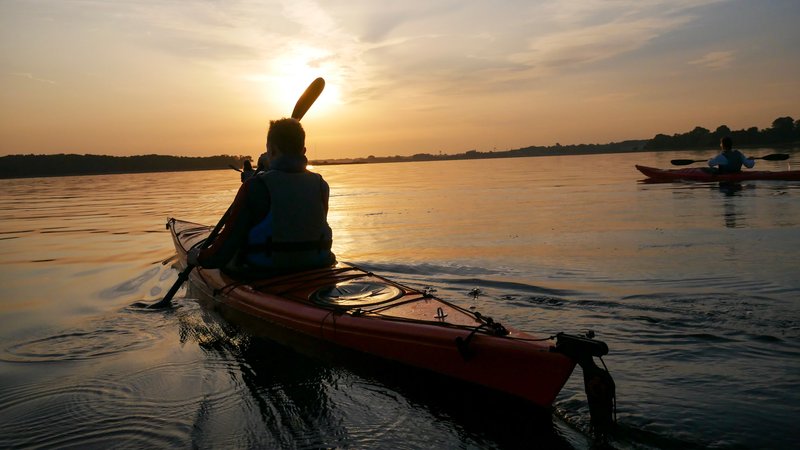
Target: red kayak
698 174
359 310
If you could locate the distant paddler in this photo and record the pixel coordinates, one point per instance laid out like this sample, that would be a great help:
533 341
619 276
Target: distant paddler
247 170
730 160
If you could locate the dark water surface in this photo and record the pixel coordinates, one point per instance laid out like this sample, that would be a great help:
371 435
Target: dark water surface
693 286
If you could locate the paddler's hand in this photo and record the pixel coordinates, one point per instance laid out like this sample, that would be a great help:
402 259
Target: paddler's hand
192 257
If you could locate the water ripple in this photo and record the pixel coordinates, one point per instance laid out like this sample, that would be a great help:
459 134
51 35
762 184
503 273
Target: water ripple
54 416
107 405
111 336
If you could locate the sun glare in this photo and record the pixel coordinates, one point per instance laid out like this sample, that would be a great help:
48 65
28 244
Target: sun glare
289 75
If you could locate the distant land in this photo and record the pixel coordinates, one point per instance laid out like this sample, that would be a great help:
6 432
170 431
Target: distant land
784 131
24 166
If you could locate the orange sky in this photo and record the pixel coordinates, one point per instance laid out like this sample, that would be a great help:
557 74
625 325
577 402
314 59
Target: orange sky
201 78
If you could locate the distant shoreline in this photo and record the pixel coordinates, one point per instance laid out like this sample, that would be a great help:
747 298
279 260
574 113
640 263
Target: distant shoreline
30 166
34 166
36 160
784 133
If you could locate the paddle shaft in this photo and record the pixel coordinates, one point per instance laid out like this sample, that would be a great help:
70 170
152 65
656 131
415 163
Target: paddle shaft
772 157
302 106
184 274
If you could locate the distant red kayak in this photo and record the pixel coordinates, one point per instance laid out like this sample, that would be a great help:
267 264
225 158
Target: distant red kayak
698 174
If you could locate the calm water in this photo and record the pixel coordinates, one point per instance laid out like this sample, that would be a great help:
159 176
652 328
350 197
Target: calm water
693 286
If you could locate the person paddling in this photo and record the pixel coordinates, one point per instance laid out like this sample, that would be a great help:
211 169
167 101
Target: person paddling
730 160
247 170
278 220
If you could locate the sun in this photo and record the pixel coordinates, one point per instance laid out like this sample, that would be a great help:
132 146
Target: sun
288 76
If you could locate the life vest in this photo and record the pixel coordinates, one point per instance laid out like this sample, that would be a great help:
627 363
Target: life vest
295 233
734 164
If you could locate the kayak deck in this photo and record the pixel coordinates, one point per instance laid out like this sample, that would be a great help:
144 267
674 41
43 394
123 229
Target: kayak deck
359 292
359 310
698 174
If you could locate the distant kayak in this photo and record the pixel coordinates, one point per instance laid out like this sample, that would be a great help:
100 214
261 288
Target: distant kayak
698 174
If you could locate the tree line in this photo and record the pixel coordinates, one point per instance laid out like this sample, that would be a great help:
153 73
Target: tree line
17 166
784 130
557 149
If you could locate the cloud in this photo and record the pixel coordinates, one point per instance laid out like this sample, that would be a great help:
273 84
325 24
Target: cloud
514 46
30 76
586 45
715 60
372 22
395 47
580 33
432 45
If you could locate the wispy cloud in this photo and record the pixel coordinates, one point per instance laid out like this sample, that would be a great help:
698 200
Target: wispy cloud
492 49
580 33
429 45
573 48
30 76
715 60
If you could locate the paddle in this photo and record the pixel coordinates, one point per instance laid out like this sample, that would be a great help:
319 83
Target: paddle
234 168
300 109
772 157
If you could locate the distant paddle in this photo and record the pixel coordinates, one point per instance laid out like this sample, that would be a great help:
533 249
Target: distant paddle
772 157
300 109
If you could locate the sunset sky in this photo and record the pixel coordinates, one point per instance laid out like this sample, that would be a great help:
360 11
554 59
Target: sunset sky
202 77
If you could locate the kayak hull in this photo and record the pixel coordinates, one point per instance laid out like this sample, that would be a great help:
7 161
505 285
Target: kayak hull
412 328
698 174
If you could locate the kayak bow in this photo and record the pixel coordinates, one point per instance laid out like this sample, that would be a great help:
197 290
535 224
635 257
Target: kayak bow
359 310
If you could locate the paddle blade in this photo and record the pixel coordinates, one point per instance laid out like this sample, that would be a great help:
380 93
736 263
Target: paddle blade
167 300
775 157
308 98
685 162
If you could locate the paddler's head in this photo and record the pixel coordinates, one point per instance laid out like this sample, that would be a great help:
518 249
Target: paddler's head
726 143
285 137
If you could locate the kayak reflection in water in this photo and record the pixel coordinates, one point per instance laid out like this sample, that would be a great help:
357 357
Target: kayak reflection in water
730 160
247 170
278 220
